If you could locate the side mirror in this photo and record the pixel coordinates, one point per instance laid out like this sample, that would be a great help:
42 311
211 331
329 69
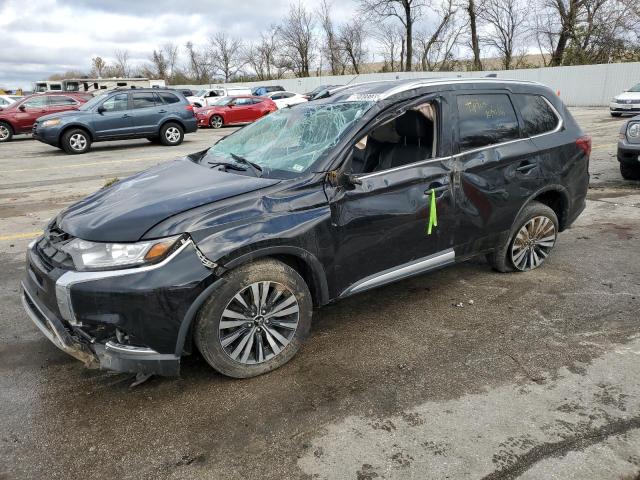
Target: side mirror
22 108
101 110
343 179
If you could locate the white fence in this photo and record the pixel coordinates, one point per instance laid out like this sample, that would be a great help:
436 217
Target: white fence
583 85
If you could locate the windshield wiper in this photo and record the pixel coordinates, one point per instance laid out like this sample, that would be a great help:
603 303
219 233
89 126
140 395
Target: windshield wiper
227 165
257 169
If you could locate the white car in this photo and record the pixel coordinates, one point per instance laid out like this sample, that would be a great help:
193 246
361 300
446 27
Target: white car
208 96
6 100
626 102
286 99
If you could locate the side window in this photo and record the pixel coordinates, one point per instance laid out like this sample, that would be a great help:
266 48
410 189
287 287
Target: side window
3 102
277 96
537 115
256 100
168 97
61 100
116 103
36 102
287 95
143 100
243 101
485 119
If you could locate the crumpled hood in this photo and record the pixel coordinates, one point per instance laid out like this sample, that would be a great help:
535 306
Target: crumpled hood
126 210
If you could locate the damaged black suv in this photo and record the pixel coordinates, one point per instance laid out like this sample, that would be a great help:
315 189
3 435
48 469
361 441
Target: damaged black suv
228 250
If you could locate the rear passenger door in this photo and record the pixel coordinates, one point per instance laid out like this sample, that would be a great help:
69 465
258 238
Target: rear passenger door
61 103
146 113
496 168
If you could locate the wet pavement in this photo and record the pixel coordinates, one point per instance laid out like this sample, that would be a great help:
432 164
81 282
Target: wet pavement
534 376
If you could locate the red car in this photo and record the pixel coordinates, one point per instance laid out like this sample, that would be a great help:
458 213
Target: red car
20 116
233 110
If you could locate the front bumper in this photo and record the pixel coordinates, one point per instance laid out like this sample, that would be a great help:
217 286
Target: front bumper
624 107
628 153
203 120
49 136
87 314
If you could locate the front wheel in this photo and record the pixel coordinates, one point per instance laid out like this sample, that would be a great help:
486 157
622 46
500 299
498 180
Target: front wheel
533 236
630 172
171 134
76 141
216 121
6 132
256 321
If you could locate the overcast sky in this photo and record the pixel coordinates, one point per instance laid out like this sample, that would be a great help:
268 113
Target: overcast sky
43 37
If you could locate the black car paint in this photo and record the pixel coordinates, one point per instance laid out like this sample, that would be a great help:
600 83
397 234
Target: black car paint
335 235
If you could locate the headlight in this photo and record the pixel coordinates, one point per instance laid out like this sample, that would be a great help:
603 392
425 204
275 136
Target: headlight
103 256
633 130
51 123
614 100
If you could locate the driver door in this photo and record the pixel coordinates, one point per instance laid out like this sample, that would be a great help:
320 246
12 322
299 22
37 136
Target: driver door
381 219
34 108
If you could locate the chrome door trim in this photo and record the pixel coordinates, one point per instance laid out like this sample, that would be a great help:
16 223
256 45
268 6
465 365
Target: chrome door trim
399 272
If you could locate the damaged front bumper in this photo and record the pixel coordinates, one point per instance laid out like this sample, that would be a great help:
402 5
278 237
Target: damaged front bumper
109 356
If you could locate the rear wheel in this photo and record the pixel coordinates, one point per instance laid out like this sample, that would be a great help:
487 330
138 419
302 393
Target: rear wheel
76 141
6 132
630 172
256 321
533 236
171 134
216 121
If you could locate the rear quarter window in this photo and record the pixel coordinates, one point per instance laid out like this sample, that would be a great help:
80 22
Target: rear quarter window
537 116
485 119
168 98
143 100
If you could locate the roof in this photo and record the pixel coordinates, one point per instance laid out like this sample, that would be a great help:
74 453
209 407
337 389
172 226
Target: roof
386 88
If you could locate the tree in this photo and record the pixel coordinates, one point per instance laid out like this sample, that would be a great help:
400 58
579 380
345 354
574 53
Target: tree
505 20
297 38
197 64
97 66
407 11
122 63
263 57
435 48
159 64
391 41
351 43
331 48
226 55
473 27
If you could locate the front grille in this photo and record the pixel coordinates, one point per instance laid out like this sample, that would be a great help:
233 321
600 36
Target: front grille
628 102
49 249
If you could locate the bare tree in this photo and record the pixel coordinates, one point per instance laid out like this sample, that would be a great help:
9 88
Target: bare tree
158 64
296 35
263 57
505 20
436 47
170 52
390 40
351 42
226 55
471 8
331 47
97 66
407 11
198 65
122 62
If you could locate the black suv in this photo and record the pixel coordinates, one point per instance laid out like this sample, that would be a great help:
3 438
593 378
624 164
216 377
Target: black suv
229 249
159 115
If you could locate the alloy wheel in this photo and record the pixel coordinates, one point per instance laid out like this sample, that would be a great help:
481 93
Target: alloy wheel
216 121
532 243
78 142
259 322
4 133
172 134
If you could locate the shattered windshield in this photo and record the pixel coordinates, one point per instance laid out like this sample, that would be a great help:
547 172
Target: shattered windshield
289 141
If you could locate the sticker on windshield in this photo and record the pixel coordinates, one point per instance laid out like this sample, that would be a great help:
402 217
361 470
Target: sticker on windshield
364 97
298 168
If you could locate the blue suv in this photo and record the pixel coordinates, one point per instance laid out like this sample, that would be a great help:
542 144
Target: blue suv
159 115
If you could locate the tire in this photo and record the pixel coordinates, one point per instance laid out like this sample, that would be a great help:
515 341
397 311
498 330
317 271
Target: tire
538 224
153 139
216 121
246 347
76 141
630 172
613 114
171 134
6 132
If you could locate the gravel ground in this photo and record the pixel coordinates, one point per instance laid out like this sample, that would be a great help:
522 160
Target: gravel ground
535 376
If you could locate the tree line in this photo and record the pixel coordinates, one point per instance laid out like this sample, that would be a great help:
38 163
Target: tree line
401 35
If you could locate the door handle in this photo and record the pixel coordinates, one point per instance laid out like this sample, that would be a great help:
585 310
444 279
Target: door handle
126 115
162 111
526 167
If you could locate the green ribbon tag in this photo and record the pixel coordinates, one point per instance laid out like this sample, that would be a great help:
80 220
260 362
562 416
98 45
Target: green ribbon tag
433 213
